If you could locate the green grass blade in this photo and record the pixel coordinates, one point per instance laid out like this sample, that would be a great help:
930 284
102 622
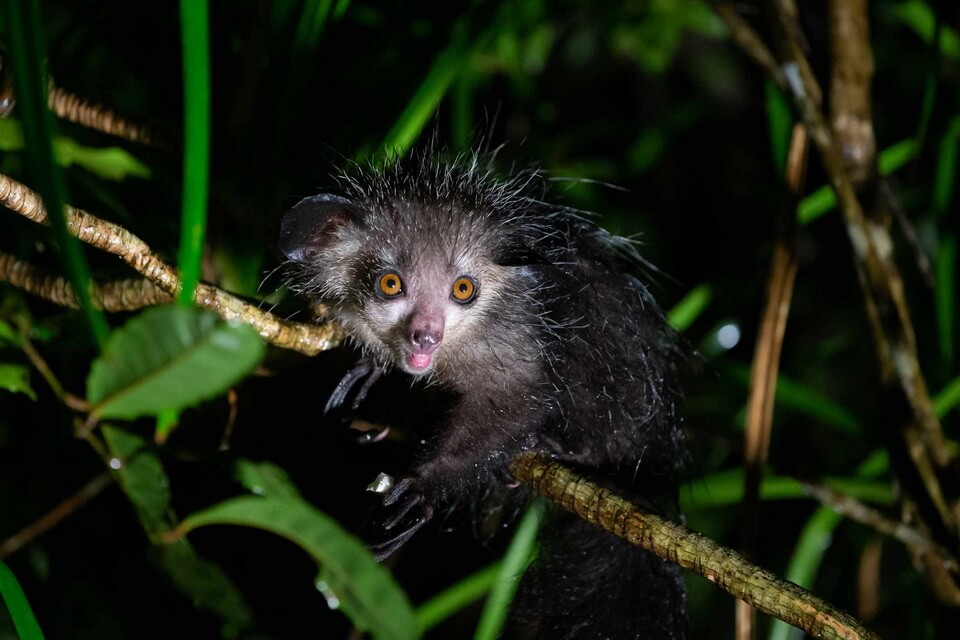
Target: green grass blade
807 556
814 541
946 172
918 16
947 399
195 33
18 605
421 107
312 22
515 561
684 313
456 597
725 488
804 400
780 122
823 199
26 49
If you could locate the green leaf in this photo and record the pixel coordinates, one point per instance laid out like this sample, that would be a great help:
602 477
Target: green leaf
351 580
169 358
141 476
110 163
15 378
515 562
17 604
207 585
265 479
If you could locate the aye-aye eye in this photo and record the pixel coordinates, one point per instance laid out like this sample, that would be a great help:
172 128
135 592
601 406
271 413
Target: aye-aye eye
389 285
464 289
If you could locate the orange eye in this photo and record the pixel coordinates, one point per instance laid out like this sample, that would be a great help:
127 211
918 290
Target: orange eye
390 285
464 289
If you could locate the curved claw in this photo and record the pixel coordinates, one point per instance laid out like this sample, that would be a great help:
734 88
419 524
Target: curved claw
364 367
385 549
405 497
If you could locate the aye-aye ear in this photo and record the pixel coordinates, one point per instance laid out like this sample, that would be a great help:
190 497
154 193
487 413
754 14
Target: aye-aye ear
309 225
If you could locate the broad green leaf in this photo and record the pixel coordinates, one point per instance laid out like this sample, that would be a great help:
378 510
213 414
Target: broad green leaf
265 479
352 579
141 476
169 358
15 378
207 585
17 604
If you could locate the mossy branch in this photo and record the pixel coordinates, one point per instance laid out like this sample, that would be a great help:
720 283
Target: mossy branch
112 238
725 567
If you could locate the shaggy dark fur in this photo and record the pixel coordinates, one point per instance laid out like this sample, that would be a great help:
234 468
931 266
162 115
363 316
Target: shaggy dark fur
563 350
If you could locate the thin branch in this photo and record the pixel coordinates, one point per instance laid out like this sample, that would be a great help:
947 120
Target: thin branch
113 295
305 338
92 115
870 517
37 360
746 38
53 517
760 588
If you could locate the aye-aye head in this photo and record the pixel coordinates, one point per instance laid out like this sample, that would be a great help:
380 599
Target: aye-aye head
421 285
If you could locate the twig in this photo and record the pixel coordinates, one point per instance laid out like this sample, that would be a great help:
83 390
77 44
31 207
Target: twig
305 338
113 295
760 588
53 517
98 117
870 517
37 360
746 38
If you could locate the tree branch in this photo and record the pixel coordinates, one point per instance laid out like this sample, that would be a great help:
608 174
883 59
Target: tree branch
113 295
305 338
760 588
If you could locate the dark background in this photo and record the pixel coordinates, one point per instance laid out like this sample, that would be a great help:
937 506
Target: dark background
648 97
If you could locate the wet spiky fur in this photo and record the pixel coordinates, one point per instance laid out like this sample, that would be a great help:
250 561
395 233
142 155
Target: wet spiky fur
563 351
